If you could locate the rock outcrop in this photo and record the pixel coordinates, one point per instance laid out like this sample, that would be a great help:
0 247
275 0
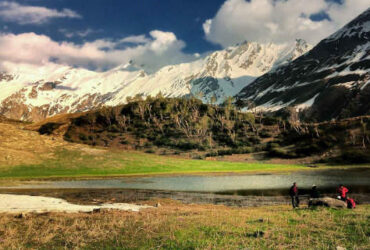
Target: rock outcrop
327 202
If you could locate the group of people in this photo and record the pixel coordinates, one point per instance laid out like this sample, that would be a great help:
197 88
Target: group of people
314 193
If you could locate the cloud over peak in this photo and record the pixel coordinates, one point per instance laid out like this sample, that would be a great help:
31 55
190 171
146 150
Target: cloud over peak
278 21
26 14
160 49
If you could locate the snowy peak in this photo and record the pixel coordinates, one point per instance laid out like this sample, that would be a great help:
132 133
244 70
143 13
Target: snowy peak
224 73
130 66
33 93
332 79
252 58
358 28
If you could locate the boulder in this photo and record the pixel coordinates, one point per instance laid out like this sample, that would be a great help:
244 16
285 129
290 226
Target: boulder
327 202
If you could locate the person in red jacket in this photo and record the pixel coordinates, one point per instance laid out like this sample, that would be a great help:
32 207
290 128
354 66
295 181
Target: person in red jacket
342 192
351 203
293 192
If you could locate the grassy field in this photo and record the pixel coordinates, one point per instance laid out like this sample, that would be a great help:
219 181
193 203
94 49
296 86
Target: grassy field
95 162
179 226
27 154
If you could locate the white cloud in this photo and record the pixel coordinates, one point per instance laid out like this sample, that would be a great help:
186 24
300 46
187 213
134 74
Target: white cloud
345 12
207 26
79 33
25 14
278 21
154 52
135 39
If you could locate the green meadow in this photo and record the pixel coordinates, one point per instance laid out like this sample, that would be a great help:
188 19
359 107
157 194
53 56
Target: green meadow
105 163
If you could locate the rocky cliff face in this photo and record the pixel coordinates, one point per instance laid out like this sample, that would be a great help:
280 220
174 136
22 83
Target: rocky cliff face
33 93
331 80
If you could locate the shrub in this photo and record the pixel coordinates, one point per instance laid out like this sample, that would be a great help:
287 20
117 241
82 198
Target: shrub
188 145
225 152
282 153
212 154
355 156
114 128
198 157
272 145
123 141
264 134
82 137
242 150
67 136
49 128
308 150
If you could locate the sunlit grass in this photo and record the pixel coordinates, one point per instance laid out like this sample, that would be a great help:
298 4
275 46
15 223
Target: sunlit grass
68 163
177 226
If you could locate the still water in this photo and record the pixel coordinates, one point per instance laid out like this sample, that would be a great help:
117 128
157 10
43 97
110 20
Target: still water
359 177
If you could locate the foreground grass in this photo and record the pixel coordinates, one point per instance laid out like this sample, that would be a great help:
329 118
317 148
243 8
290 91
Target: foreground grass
178 226
69 163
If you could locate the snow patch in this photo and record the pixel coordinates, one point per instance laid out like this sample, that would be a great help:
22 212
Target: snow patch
307 103
39 204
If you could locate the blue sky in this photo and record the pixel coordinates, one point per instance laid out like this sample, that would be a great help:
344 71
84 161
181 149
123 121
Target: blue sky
102 34
121 18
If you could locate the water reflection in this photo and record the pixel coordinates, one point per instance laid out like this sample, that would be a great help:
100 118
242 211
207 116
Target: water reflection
328 179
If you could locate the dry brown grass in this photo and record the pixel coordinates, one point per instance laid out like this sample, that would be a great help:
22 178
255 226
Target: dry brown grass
22 146
64 119
179 226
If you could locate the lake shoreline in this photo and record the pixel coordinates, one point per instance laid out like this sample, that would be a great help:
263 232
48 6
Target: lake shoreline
136 196
313 168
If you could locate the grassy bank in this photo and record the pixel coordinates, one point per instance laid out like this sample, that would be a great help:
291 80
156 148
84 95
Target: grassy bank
178 226
27 154
79 163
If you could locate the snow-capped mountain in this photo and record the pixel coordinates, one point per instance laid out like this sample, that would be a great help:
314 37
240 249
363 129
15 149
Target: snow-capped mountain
33 93
331 80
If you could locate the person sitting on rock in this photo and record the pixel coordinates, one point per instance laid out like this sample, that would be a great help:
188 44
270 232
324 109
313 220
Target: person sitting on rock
293 192
342 192
314 193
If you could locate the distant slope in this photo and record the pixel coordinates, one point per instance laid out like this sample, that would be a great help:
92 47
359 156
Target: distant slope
332 79
189 127
34 93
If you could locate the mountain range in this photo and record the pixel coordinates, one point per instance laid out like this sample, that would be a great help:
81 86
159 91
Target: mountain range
32 94
330 80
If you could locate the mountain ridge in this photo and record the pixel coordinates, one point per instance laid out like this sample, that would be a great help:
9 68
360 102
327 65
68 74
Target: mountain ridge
34 93
330 81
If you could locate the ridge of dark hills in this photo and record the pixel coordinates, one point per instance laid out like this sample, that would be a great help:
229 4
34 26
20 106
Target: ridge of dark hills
179 125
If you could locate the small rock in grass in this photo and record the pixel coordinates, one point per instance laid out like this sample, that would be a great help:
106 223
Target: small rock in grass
258 234
96 210
20 216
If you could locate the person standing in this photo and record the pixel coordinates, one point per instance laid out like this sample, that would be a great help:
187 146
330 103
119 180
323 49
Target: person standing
293 192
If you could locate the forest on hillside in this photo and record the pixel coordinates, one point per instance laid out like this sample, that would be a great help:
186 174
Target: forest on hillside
180 125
